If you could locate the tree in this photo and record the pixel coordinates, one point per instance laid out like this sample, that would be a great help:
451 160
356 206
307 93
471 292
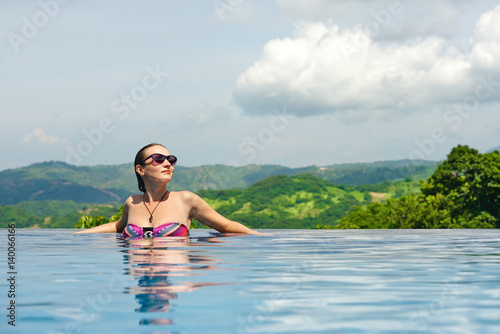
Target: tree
464 192
470 179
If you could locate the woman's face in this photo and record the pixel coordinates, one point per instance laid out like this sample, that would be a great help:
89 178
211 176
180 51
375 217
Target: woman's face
156 173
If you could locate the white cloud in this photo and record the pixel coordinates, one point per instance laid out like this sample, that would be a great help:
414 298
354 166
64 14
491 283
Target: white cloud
39 137
486 41
324 69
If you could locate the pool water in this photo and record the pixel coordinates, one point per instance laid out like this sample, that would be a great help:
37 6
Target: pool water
288 281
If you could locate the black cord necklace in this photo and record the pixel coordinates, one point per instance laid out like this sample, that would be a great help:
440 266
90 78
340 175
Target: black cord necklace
151 213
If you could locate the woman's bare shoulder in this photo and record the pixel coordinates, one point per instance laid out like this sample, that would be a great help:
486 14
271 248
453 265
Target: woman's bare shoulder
185 196
133 200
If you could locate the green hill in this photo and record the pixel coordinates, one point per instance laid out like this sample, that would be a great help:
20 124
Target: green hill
297 201
462 193
300 201
56 194
51 213
339 196
279 201
103 184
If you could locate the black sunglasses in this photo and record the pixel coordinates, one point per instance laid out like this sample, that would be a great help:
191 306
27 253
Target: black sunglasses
158 159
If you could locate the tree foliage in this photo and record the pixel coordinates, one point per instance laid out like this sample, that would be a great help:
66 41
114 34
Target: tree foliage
87 221
464 192
470 179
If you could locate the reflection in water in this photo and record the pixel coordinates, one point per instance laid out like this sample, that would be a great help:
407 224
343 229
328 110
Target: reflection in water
152 262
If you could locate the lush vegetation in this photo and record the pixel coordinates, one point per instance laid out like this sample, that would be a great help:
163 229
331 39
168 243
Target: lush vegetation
55 194
298 201
461 192
51 213
464 192
87 221
103 184
282 201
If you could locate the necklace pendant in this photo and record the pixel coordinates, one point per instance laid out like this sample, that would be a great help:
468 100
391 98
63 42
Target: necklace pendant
151 213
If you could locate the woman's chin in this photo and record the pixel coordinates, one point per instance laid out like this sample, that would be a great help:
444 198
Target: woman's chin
167 179
163 179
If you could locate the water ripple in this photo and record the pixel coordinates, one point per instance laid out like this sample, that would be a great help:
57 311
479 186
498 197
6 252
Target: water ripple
289 281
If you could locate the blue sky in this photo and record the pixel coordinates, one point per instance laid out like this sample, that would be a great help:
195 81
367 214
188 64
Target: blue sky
239 82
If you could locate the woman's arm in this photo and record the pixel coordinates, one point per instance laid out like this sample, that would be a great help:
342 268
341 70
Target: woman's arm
209 217
104 228
111 227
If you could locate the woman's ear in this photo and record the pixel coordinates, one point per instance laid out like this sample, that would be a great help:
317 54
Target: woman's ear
139 170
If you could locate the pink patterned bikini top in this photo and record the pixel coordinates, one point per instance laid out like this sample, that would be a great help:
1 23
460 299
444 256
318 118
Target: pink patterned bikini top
164 230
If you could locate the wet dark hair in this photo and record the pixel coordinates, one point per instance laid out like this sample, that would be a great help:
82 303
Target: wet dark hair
139 158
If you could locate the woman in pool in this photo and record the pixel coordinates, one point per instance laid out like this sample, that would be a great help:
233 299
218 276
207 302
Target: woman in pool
159 212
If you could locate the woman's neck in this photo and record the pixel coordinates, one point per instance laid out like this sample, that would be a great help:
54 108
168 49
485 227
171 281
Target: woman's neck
155 194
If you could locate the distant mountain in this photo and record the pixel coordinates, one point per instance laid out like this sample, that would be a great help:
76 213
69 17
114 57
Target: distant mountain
493 149
114 183
279 201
